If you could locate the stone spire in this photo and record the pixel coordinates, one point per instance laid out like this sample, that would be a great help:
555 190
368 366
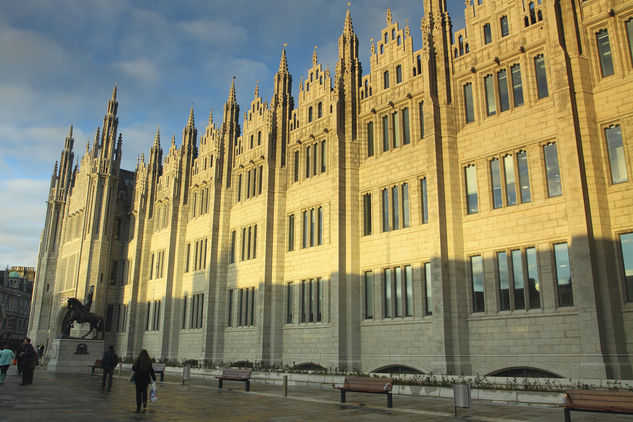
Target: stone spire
389 16
348 28
256 91
157 138
114 92
191 121
232 96
314 56
283 63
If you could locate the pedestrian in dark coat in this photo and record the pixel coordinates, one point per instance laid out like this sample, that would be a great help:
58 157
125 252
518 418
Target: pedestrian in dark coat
109 361
143 376
29 362
19 353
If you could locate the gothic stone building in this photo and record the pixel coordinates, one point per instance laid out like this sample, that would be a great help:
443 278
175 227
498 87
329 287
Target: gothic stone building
463 208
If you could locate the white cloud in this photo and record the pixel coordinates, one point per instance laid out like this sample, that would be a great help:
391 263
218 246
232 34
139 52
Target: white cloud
218 33
143 70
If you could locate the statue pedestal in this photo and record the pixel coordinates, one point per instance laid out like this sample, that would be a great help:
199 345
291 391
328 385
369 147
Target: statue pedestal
73 355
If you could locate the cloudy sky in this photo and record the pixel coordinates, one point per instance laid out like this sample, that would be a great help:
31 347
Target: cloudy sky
60 59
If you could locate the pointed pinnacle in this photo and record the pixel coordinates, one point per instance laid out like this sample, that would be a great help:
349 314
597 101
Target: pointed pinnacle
389 16
191 121
348 23
97 134
283 63
70 133
232 92
256 90
157 137
114 92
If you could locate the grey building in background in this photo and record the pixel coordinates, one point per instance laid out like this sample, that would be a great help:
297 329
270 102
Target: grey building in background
16 288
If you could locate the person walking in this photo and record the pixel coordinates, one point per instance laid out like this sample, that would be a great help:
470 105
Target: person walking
6 359
109 361
29 362
143 375
19 353
40 353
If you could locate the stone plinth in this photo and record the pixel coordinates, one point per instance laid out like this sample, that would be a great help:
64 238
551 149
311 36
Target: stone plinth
67 355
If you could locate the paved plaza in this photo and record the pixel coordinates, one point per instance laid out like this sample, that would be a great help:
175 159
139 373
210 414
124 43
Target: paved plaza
62 397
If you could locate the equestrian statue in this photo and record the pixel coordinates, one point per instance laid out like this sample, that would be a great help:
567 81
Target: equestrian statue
79 313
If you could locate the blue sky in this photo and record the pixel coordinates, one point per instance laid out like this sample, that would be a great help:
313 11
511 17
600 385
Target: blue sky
60 60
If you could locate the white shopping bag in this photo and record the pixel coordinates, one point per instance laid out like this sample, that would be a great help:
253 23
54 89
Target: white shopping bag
153 393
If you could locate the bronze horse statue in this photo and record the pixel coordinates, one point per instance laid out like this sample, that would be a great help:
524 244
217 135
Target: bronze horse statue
81 314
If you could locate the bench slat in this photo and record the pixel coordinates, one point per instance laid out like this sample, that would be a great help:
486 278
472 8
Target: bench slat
600 401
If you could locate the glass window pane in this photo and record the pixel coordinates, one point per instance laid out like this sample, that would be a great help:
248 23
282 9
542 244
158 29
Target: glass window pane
395 120
477 274
367 214
490 96
291 232
517 85
398 74
398 285
563 275
616 154
626 243
519 283
370 139
468 102
511 191
387 292
408 289
406 133
504 282
504 26
425 204
428 288
323 157
471 190
629 33
386 79
319 226
524 177
395 215
554 187
305 229
307 162
541 77
421 112
405 205
495 176
289 302
533 279
385 133
312 227
296 170
385 210
604 52
369 295
487 34
504 97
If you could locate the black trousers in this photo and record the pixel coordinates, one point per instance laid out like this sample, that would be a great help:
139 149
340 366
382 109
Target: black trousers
141 395
27 375
107 373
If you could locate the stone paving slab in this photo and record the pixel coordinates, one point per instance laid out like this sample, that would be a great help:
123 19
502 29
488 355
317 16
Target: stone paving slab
79 397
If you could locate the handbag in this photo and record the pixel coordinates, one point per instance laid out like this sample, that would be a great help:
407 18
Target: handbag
153 393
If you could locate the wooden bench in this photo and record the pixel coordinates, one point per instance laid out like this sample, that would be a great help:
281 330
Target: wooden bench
597 401
368 385
232 374
159 368
97 365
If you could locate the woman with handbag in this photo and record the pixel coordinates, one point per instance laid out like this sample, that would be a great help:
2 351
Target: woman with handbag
6 358
143 376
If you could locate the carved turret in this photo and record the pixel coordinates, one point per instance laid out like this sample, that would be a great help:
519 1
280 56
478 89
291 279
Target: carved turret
282 105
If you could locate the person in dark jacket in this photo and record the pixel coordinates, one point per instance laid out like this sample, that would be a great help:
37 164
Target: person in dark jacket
19 353
29 362
143 375
109 361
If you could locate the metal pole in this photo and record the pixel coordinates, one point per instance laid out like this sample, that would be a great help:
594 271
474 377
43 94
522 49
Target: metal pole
285 388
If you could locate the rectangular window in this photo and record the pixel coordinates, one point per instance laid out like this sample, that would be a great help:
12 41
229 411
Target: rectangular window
319 299
252 318
490 96
319 225
296 170
305 229
289 302
307 162
563 275
533 280
541 77
240 309
315 157
505 30
323 156
629 33
604 52
468 103
291 232
626 245
552 171
398 286
385 133
229 320
370 139
259 137
320 110
309 114
387 292
312 227
395 125
406 132
511 190
232 256
517 279
616 154
398 74
254 241
471 189
524 177
367 214
424 202
477 279
487 34
243 243
504 96
261 178
151 268
395 212
385 210
304 308
248 184
495 178
517 85
504 281
408 291
405 205
369 294
184 312
249 240
385 78
421 112
428 289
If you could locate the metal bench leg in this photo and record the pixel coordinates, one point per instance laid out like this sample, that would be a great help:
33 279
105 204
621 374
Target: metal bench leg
248 385
342 396
567 415
220 382
389 401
